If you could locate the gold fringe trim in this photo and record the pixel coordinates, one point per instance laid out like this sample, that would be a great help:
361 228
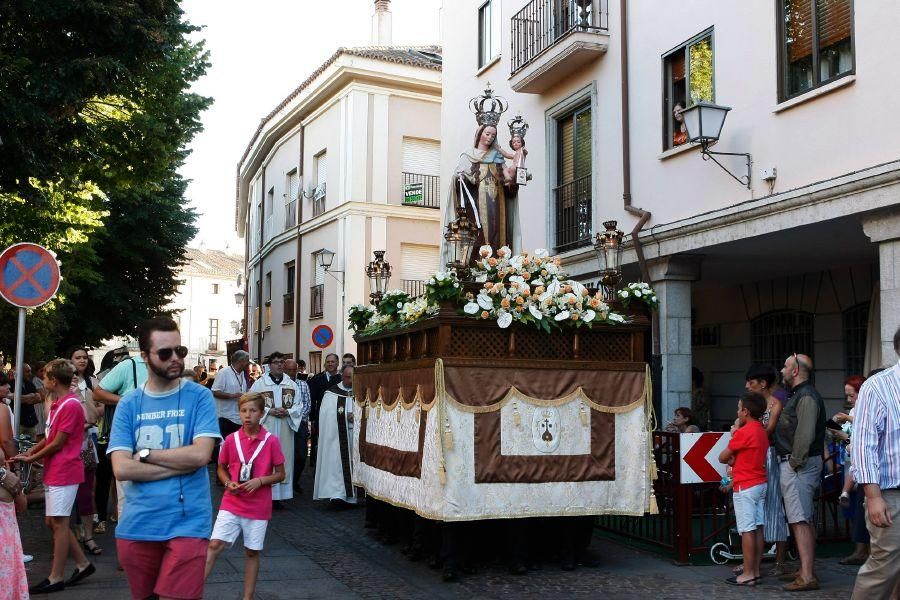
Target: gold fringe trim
398 401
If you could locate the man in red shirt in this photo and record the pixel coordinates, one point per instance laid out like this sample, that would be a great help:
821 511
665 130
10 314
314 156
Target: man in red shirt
746 452
63 472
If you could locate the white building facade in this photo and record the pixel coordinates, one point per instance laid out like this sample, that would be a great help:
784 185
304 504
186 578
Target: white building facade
804 259
204 305
348 163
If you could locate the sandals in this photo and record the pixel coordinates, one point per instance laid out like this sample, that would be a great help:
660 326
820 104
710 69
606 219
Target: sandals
747 583
90 545
100 528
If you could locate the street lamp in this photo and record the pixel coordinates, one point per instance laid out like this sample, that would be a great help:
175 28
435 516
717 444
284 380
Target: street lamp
239 297
460 236
325 258
379 273
703 124
608 246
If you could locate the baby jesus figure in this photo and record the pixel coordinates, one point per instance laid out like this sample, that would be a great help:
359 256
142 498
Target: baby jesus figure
517 143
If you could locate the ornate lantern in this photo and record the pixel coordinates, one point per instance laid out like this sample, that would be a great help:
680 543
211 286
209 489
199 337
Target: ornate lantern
460 236
608 246
379 273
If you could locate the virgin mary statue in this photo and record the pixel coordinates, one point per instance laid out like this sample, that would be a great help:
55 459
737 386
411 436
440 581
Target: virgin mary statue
480 185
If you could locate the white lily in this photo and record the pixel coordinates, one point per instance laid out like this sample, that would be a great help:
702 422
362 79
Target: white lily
504 319
616 318
485 302
561 316
541 253
471 308
481 278
577 288
588 316
486 251
535 312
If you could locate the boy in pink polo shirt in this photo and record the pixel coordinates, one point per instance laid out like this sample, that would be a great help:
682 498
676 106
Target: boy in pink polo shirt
63 472
250 462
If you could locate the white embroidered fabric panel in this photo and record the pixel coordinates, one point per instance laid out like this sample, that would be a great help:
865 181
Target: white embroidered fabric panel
542 431
384 430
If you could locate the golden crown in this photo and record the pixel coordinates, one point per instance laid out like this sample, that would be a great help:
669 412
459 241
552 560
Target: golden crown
488 107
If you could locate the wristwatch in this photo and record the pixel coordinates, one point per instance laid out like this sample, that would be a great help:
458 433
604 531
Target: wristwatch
144 455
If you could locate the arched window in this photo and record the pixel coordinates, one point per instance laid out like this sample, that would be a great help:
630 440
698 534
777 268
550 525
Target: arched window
855 324
779 333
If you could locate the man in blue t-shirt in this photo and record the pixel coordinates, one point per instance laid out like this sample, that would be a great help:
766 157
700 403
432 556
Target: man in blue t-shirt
162 437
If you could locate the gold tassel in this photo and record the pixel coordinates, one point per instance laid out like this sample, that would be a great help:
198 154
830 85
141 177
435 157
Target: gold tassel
398 412
378 410
584 417
653 473
366 411
418 412
442 475
517 419
654 509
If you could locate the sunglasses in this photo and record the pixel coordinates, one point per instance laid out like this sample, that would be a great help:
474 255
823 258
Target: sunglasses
165 354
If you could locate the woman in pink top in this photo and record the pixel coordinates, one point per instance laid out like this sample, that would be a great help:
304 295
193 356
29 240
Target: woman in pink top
60 452
250 462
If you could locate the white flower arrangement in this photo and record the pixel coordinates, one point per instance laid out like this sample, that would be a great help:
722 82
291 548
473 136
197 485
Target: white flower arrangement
639 292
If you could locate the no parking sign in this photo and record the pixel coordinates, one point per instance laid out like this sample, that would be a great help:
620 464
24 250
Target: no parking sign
29 277
322 336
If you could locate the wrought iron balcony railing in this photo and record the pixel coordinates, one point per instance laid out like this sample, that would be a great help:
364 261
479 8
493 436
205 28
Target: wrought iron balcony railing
543 23
573 214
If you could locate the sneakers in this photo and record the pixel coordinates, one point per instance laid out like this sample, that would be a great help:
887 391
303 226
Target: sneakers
799 585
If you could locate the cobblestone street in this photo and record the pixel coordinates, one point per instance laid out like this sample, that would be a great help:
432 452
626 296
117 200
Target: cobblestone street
316 552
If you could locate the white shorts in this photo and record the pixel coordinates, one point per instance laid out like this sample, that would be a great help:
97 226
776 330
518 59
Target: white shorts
59 499
229 526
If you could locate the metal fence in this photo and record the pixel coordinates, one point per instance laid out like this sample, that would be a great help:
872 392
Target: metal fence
429 187
413 287
693 517
542 23
573 214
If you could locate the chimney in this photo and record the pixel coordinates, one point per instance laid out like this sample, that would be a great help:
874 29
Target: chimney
381 23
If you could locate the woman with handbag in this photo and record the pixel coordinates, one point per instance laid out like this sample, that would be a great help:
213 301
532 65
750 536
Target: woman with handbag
83 386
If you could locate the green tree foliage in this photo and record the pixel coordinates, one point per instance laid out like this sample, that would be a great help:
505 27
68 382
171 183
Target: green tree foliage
95 118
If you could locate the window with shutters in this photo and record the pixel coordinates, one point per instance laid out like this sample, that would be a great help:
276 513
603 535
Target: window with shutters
856 323
572 192
418 262
321 168
815 44
290 273
269 213
213 334
317 289
421 168
488 32
688 72
290 199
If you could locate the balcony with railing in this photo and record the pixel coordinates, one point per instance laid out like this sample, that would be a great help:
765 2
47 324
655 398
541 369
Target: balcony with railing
552 39
413 287
421 190
572 204
316 301
287 316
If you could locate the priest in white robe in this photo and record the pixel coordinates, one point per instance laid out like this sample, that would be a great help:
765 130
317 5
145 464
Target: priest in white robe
287 405
334 479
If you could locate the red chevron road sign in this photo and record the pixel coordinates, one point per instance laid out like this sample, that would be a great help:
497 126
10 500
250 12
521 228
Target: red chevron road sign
700 457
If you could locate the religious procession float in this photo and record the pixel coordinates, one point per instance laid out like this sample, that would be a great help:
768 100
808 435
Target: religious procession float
508 390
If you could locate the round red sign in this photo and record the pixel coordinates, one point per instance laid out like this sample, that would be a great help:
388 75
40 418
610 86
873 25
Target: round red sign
29 275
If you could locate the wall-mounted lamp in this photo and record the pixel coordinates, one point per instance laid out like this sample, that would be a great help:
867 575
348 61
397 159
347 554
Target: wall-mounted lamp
703 122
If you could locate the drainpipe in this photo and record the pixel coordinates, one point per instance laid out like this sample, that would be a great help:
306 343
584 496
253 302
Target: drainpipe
259 293
643 215
299 260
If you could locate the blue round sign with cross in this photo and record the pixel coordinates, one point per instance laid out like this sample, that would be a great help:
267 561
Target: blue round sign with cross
29 275
322 336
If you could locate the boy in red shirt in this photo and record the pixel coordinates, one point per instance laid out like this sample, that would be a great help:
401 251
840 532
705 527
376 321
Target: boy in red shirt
746 452
63 472
250 462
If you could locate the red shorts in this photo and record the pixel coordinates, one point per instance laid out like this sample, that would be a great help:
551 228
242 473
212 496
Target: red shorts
171 569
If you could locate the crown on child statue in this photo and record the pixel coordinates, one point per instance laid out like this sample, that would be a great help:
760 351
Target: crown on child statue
488 107
518 127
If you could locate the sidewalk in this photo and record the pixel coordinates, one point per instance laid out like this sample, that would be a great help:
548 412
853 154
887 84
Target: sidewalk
314 552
